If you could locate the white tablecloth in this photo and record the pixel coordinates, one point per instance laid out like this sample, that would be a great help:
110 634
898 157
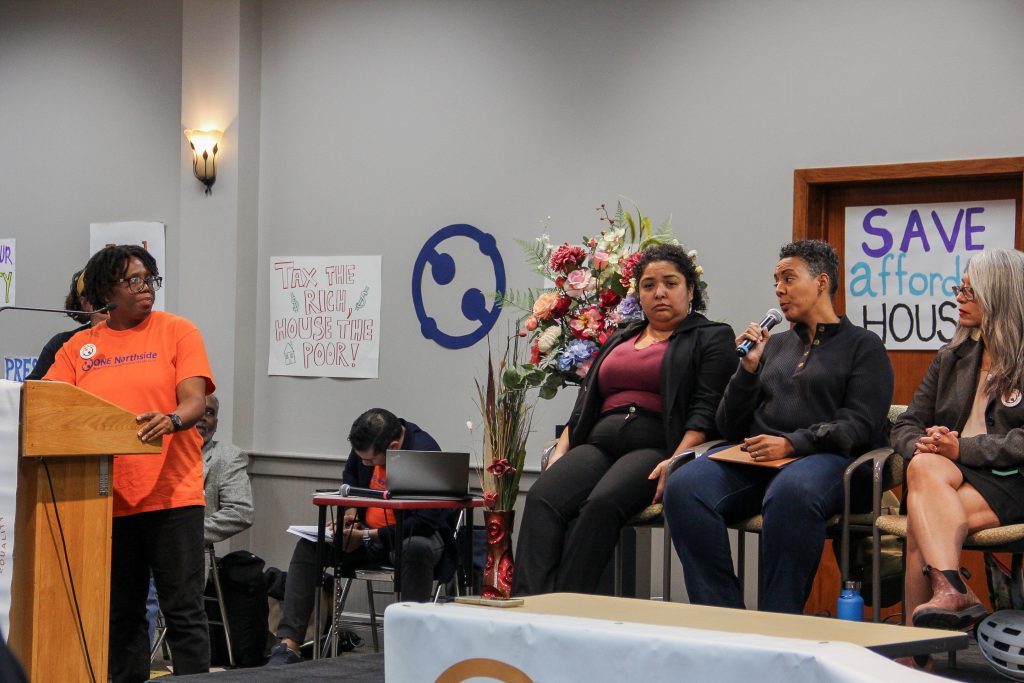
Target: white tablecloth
422 642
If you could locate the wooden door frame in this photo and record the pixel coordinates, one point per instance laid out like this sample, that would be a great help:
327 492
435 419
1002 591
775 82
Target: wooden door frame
811 184
811 187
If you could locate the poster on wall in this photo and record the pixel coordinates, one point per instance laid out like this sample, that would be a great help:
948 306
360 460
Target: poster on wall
325 316
7 271
902 262
148 234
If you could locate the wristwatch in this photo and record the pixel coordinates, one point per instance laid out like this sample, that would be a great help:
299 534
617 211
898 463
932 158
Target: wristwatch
176 421
366 538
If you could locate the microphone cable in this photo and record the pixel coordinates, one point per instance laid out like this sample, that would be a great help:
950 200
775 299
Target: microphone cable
71 578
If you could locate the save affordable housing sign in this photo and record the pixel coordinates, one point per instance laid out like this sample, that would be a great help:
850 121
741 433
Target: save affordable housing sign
902 262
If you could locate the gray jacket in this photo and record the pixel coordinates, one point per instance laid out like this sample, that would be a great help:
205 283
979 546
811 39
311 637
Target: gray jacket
229 508
945 398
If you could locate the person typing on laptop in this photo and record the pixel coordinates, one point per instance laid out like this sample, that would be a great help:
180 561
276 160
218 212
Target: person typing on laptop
367 535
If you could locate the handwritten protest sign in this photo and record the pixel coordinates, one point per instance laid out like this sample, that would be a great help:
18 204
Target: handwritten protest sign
7 271
902 262
324 316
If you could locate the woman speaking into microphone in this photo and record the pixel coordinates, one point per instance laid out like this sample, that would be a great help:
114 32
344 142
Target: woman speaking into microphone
819 392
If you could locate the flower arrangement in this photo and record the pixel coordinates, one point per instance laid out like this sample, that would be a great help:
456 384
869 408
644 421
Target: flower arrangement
507 412
593 294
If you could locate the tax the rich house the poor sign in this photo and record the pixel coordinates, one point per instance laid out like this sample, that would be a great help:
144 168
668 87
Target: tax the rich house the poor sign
324 316
902 262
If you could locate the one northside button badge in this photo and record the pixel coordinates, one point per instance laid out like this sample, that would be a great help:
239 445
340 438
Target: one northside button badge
87 351
474 303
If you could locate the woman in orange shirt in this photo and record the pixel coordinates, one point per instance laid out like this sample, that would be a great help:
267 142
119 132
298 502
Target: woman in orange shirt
154 364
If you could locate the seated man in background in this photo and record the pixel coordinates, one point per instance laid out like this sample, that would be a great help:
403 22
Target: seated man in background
229 508
367 535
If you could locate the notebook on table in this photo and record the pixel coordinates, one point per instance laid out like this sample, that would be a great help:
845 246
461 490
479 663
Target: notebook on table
427 475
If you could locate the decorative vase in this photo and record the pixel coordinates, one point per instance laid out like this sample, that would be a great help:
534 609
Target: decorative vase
499 568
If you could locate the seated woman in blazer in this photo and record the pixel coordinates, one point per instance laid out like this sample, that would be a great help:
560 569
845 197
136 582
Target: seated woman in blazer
650 393
964 436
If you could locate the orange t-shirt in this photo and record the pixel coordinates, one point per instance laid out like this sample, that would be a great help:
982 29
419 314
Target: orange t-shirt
378 517
140 369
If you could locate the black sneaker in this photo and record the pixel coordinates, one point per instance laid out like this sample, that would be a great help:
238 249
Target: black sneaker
281 654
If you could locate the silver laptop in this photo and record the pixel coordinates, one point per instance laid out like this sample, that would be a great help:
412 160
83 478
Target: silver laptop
427 475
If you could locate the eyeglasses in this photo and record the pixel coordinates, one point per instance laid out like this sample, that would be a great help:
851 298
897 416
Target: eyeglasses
965 291
135 284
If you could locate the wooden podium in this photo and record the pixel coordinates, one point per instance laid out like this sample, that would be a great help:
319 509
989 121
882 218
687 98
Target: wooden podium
73 434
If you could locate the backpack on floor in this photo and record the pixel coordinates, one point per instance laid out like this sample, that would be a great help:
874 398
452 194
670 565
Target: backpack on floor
245 601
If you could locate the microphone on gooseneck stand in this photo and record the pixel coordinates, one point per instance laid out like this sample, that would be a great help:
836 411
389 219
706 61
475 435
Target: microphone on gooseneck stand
359 492
772 318
105 309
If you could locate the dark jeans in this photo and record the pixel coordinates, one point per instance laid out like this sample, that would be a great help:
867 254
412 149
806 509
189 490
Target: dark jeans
796 501
577 508
168 543
420 555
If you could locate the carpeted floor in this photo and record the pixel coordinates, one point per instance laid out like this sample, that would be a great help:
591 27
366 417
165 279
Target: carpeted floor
350 667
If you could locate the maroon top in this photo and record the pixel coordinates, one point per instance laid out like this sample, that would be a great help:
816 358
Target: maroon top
631 376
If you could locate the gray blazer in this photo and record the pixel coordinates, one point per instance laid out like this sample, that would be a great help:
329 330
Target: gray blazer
229 506
945 398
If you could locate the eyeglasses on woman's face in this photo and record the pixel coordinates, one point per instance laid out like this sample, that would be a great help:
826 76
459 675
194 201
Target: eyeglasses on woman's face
136 283
964 291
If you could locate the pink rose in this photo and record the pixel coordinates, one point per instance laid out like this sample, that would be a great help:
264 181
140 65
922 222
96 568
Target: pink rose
579 283
599 260
544 304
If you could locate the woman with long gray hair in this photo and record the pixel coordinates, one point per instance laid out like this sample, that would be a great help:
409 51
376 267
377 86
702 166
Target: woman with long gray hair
964 437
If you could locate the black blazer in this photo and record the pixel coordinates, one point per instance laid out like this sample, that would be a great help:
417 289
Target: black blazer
700 358
945 398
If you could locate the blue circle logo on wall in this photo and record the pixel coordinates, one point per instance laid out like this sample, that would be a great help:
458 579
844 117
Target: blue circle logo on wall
474 304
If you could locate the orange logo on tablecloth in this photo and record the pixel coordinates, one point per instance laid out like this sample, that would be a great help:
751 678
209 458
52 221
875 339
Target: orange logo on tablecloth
482 667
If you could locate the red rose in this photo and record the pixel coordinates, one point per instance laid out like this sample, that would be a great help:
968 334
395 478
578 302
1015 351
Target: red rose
488 564
534 354
490 499
566 258
627 267
560 282
609 299
495 529
603 337
561 306
506 569
499 468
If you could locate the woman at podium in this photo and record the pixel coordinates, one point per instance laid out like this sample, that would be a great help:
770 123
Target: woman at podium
154 364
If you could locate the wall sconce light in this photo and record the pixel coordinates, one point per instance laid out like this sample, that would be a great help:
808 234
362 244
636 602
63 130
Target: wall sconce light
204 144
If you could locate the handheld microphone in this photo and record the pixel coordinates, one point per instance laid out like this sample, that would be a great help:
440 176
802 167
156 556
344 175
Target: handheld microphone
105 309
357 491
772 318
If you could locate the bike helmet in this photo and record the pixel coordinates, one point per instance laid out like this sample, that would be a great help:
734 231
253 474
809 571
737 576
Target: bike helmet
1001 640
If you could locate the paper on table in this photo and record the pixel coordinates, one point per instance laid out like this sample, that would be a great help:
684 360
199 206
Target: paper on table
309 532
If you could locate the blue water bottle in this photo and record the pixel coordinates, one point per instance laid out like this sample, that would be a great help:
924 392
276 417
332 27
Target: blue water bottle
851 605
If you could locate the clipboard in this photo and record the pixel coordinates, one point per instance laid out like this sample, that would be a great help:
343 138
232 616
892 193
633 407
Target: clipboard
741 457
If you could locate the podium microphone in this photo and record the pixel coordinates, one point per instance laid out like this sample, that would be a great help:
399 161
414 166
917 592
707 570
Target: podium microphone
105 309
772 318
359 492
